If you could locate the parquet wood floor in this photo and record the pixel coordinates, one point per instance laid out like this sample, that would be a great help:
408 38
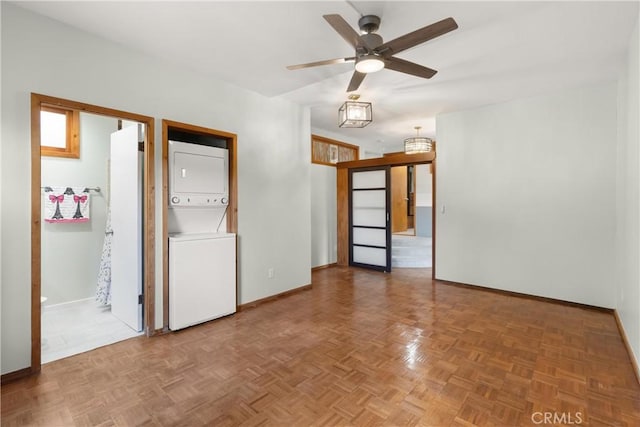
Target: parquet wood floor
360 348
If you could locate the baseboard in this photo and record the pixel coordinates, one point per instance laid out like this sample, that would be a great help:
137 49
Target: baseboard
60 305
322 267
15 375
527 296
256 303
623 334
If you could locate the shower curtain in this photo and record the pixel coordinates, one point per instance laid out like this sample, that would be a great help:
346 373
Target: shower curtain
103 292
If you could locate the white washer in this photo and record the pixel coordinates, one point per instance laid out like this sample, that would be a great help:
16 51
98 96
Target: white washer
202 277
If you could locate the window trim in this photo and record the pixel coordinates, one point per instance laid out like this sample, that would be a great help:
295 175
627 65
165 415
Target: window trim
72 146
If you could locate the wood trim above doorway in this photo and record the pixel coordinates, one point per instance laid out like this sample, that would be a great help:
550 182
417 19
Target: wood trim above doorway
399 159
37 101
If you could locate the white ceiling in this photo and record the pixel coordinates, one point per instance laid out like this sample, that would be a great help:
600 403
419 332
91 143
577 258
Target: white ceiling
501 51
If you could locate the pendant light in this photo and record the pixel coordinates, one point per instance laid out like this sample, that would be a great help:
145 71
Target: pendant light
354 114
417 144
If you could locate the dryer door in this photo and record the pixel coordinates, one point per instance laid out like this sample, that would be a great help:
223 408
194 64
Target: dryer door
198 173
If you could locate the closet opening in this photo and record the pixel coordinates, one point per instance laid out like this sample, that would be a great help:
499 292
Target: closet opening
189 221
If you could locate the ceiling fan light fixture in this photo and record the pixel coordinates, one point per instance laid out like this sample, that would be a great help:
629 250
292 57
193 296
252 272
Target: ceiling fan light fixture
354 114
418 144
369 63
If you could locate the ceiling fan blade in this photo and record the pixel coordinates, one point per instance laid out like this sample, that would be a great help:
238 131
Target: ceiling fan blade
343 28
317 63
356 79
407 67
416 37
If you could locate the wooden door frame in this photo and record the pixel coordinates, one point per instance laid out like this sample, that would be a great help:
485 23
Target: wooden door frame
37 101
232 209
342 192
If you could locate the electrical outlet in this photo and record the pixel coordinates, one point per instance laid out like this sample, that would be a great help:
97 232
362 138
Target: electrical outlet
270 273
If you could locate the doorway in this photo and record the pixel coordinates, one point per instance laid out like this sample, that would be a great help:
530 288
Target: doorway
343 193
41 238
411 200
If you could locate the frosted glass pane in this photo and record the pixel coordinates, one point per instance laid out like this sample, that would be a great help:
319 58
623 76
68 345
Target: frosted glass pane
371 256
369 199
376 217
368 236
53 129
369 179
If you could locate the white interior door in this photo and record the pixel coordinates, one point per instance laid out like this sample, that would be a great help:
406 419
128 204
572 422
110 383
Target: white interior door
370 229
126 222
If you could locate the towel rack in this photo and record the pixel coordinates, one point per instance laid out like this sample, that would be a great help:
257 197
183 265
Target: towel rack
96 189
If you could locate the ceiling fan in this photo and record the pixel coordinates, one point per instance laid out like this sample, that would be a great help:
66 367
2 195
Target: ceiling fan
371 54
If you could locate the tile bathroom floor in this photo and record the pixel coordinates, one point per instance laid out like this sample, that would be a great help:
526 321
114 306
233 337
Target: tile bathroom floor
79 326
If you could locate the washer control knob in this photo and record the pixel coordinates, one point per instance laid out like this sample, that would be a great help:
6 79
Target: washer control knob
175 200
224 201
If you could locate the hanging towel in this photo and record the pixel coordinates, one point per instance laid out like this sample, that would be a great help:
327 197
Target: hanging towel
103 292
66 204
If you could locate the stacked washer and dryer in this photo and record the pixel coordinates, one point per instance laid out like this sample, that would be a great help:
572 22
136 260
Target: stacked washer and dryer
202 254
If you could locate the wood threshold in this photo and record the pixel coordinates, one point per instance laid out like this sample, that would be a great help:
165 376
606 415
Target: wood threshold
322 267
256 303
158 332
625 340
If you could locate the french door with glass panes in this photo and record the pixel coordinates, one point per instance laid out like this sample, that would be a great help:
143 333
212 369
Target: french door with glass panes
369 215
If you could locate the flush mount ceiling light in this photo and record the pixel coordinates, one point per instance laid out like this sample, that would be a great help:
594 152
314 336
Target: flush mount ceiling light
417 144
354 114
369 64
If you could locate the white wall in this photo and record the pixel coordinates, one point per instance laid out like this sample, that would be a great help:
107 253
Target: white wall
43 56
424 200
71 251
627 271
424 181
324 213
529 191
324 222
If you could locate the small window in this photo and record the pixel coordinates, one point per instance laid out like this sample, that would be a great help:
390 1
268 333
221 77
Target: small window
59 132
325 151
